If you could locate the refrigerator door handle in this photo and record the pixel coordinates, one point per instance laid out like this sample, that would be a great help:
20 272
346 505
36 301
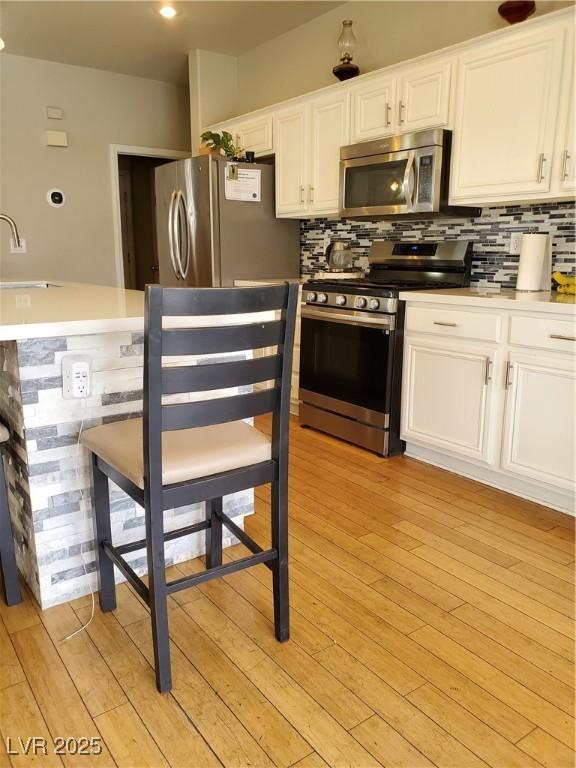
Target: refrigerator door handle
183 209
173 233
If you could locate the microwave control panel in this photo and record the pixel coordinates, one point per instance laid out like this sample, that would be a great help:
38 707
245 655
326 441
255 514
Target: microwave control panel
425 178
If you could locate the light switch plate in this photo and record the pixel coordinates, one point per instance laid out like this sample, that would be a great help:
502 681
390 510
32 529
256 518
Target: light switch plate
515 243
56 138
54 113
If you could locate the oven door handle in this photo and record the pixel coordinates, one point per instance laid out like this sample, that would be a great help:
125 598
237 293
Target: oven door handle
406 182
381 321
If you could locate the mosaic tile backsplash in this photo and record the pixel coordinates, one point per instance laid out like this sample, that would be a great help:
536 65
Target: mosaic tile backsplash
490 233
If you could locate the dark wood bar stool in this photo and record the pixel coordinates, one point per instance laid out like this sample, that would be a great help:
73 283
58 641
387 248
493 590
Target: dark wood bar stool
12 593
185 453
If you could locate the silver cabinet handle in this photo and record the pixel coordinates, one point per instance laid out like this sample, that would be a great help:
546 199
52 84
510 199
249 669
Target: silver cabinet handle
561 337
388 110
400 108
488 371
541 162
311 193
302 200
565 165
448 325
509 372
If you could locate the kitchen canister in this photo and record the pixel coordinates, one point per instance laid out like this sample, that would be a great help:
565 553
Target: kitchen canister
535 265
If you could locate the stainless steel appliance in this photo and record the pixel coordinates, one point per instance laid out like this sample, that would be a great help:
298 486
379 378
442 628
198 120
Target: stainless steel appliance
406 175
352 335
206 239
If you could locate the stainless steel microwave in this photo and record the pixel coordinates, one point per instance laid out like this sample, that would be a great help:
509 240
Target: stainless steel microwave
406 175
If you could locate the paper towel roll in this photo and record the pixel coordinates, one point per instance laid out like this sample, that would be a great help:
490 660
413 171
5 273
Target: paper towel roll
535 265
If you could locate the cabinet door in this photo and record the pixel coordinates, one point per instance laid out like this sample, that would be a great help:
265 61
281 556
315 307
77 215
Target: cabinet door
255 135
445 397
292 147
506 113
539 433
424 97
567 148
373 107
330 131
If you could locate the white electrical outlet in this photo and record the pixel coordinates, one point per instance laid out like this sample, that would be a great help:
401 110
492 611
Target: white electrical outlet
515 243
75 377
17 248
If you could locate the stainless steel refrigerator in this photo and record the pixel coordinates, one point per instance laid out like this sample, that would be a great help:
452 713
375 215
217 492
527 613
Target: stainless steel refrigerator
206 238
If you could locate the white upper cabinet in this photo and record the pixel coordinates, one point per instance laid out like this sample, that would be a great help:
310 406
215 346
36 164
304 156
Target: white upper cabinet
253 134
308 138
330 122
505 117
411 100
424 97
292 142
564 172
373 108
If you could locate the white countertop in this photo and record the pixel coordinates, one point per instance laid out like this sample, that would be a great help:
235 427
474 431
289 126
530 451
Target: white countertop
68 309
77 309
504 298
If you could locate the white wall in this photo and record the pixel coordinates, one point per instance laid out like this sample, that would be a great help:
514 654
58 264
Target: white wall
302 59
100 108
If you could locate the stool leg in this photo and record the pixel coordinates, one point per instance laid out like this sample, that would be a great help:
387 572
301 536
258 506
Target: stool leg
158 597
103 530
214 533
279 508
12 593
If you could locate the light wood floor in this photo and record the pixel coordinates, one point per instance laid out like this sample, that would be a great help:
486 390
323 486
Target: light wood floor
432 624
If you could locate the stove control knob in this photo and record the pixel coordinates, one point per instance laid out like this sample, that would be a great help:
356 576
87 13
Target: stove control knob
374 304
340 300
322 298
360 302
311 296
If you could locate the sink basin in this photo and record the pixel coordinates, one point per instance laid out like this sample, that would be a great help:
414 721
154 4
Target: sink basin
24 286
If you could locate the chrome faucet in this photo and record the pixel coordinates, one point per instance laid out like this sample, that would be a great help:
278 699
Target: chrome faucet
14 228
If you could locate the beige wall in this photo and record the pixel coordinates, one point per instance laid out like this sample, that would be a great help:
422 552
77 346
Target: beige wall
100 108
388 32
213 90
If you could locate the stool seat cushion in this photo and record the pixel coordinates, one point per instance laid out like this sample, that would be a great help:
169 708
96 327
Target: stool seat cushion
186 453
4 434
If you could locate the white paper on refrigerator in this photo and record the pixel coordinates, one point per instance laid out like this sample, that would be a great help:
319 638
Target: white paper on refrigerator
242 183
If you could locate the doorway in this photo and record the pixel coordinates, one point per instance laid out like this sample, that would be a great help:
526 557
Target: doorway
138 219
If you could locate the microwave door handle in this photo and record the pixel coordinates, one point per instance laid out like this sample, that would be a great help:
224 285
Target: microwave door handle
406 181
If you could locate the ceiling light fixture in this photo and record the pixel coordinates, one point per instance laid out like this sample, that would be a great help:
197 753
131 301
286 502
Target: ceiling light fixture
168 12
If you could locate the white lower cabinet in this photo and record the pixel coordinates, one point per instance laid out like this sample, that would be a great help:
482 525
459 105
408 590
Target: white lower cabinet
539 431
446 399
502 412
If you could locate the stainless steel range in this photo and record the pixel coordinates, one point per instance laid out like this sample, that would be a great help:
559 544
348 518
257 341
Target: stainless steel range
352 335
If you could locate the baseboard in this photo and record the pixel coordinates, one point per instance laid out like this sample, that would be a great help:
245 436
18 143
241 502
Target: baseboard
558 499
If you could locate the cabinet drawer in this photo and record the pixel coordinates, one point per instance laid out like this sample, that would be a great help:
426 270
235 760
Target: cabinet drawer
454 322
546 333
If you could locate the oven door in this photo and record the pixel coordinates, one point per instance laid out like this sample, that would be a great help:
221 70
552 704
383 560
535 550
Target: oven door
391 184
346 363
